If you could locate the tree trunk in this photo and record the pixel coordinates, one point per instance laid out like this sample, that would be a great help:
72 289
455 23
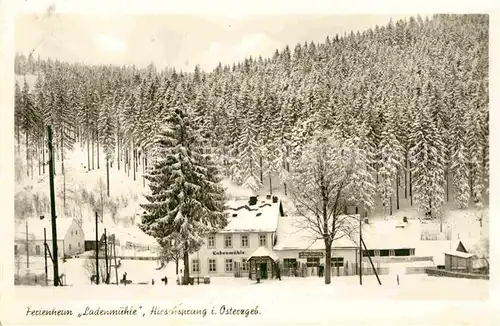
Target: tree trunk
97 140
177 266
390 205
261 170
62 153
328 261
406 178
43 154
447 185
93 152
118 156
64 187
27 156
128 162
88 154
397 190
134 154
40 148
411 193
143 169
270 185
284 184
186 267
107 173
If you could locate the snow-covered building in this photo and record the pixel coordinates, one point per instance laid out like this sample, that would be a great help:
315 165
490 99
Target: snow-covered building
252 225
297 246
30 235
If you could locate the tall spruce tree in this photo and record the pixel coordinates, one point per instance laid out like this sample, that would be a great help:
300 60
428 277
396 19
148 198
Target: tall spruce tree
186 200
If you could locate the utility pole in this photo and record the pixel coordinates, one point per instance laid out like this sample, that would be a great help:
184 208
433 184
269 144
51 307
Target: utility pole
45 254
106 255
114 254
27 247
53 208
360 252
96 249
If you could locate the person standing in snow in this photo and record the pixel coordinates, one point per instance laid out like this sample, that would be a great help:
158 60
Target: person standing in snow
125 278
278 272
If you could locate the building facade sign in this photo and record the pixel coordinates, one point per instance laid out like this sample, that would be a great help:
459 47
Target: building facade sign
310 254
234 252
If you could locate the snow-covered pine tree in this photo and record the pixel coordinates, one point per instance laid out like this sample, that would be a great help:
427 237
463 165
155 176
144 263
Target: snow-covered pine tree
458 150
249 157
390 155
363 180
106 124
475 145
426 158
185 198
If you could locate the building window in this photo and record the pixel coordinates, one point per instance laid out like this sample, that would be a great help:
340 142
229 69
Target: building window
262 240
78 244
402 252
384 253
211 241
69 247
371 252
229 265
244 265
71 233
312 261
244 240
228 241
196 265
37 250
212 266
337 261
290 262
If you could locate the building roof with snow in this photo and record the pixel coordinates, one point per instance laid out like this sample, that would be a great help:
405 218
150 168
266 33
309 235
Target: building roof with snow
247 216
459 254
263 252
390 234
36 226
293 235
131 235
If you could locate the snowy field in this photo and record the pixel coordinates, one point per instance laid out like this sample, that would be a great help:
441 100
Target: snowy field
412 287
292 301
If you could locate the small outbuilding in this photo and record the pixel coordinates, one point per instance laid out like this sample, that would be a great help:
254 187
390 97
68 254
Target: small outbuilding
459 260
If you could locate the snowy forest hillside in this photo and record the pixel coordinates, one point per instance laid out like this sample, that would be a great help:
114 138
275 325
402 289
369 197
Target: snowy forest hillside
412 94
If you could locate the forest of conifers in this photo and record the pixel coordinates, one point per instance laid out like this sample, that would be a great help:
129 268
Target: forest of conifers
413 93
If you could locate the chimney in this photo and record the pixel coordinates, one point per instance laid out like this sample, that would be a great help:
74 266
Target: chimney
252 201
275 199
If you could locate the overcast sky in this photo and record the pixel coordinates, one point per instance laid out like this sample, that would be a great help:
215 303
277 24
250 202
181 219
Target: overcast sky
178 41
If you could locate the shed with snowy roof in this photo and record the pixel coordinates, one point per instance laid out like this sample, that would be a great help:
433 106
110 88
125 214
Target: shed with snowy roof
459 260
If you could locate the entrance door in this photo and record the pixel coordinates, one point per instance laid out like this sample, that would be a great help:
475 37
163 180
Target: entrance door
263 271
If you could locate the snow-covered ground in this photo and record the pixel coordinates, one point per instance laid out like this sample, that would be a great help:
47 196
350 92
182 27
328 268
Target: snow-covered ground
412 287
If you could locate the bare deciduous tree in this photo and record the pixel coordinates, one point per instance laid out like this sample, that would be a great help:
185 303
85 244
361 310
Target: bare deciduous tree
322 187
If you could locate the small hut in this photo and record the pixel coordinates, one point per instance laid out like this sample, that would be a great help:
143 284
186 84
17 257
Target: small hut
459 260
260 262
